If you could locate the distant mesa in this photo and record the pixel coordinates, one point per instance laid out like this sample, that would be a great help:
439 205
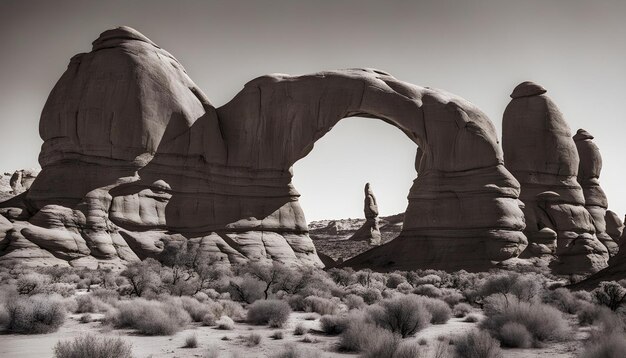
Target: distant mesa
136 158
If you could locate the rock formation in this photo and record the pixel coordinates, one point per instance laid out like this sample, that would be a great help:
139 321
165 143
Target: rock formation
540 152
136 157
614 226
370 231
596 202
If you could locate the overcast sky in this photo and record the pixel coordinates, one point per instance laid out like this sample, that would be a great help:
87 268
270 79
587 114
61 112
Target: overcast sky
477 49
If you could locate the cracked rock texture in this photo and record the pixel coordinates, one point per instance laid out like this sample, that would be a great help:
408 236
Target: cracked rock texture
135 157
541 154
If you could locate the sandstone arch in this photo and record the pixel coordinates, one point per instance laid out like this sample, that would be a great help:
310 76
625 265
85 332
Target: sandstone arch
135 156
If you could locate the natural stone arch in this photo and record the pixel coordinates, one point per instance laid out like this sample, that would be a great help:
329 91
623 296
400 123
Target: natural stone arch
135 157
462 193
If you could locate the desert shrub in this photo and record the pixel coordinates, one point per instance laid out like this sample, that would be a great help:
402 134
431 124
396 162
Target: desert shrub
587 313
383 346
471 318
246 288
85 304
151 318
85 318
225 323
440 311
443 349
142 277
461 310
293 351
394 279
610 294
515 335
300 330
525 287
334 324
354 301
105 295
402 315
562 299
191 341
362 336
544 322
275 312
232 310
405 288
213 352
451 296
430 279
94 347
370 295
277 335
477 344
254 339
608 346
32 283
321 305
408 350
428 290
34 314
209 319
197 310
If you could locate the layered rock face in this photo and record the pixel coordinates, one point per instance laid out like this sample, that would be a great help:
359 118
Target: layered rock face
135 157
614 226
370 231
596 202
541 154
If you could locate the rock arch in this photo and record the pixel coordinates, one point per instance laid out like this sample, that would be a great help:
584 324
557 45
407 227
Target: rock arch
135 157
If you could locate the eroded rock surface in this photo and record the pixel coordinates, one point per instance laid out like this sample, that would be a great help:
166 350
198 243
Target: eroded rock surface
589 171
540 152
370 231
135 156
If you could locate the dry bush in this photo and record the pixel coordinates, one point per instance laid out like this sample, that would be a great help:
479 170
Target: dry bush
354 301
370 295
246 288
34 314
361 336
93 347
461 310
405 288
233 310
334 324
191 341
610 294
544 322
293 351
471 318
408 350
610 346
428 290
225 323
515 335
403 315
196 309
209 319
477 344
395 279
440 311
527 287
300 330
277 335
32 283
321 305
562 299
274 312
253 340
151 318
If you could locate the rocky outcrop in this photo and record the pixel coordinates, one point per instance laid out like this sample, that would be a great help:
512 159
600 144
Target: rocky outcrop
614 226
596 202
12 184
541 154
370 231
135 156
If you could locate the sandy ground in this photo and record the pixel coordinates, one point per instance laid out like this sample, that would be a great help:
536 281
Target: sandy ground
38 346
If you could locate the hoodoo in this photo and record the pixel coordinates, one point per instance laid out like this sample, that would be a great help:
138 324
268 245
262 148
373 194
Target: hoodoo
540 152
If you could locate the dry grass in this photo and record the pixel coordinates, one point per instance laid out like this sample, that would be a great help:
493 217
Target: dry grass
93 347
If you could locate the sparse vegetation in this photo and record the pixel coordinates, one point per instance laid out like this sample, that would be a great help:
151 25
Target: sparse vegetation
404 315
93 346
477 344
34 314
191 341
274 312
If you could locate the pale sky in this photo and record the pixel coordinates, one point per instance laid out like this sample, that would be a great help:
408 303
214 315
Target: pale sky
479 50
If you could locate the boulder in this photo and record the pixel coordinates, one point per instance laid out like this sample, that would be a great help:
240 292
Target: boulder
540 152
